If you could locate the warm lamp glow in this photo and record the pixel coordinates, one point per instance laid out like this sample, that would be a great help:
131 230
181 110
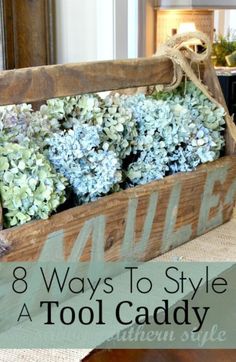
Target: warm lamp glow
196 4
187 28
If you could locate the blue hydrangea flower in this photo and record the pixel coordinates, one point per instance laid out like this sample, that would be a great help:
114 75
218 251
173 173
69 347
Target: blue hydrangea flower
91 171
117 128
177 131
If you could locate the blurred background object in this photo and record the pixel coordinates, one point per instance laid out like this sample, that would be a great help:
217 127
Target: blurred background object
42 32
27 32
36 32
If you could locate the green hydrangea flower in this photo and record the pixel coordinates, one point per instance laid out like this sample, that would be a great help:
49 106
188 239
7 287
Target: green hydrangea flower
19 124
118 128
29 186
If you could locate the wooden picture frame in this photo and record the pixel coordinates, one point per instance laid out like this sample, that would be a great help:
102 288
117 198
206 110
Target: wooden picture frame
28 33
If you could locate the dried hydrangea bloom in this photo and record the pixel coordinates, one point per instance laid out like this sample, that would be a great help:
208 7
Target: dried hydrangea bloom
92 140
91 171
19 124
117 127
177 131
29 186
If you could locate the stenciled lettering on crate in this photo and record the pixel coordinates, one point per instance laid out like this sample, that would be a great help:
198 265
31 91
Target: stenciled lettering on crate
138 224
171 237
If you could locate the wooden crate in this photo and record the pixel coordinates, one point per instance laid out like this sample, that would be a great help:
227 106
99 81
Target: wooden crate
138 223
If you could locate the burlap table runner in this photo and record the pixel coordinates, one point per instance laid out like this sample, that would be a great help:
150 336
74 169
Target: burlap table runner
43 355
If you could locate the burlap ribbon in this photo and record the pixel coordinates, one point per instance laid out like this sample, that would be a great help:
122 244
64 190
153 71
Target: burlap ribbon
183 56
180 50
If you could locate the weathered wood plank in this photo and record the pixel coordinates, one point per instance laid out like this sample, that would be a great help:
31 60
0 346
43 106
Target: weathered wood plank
165 355
142 222
44 82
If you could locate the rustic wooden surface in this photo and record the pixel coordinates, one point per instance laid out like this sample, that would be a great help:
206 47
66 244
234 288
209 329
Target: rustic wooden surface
145 355
8 34
27 241
40 83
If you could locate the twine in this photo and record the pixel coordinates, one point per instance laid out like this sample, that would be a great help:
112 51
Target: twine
183 57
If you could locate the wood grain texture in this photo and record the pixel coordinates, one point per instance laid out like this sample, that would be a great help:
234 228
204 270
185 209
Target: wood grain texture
8 34
27 241
29 32
163 214
40 83
145 355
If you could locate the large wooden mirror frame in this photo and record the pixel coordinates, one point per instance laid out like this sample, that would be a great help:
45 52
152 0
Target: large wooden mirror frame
28 32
